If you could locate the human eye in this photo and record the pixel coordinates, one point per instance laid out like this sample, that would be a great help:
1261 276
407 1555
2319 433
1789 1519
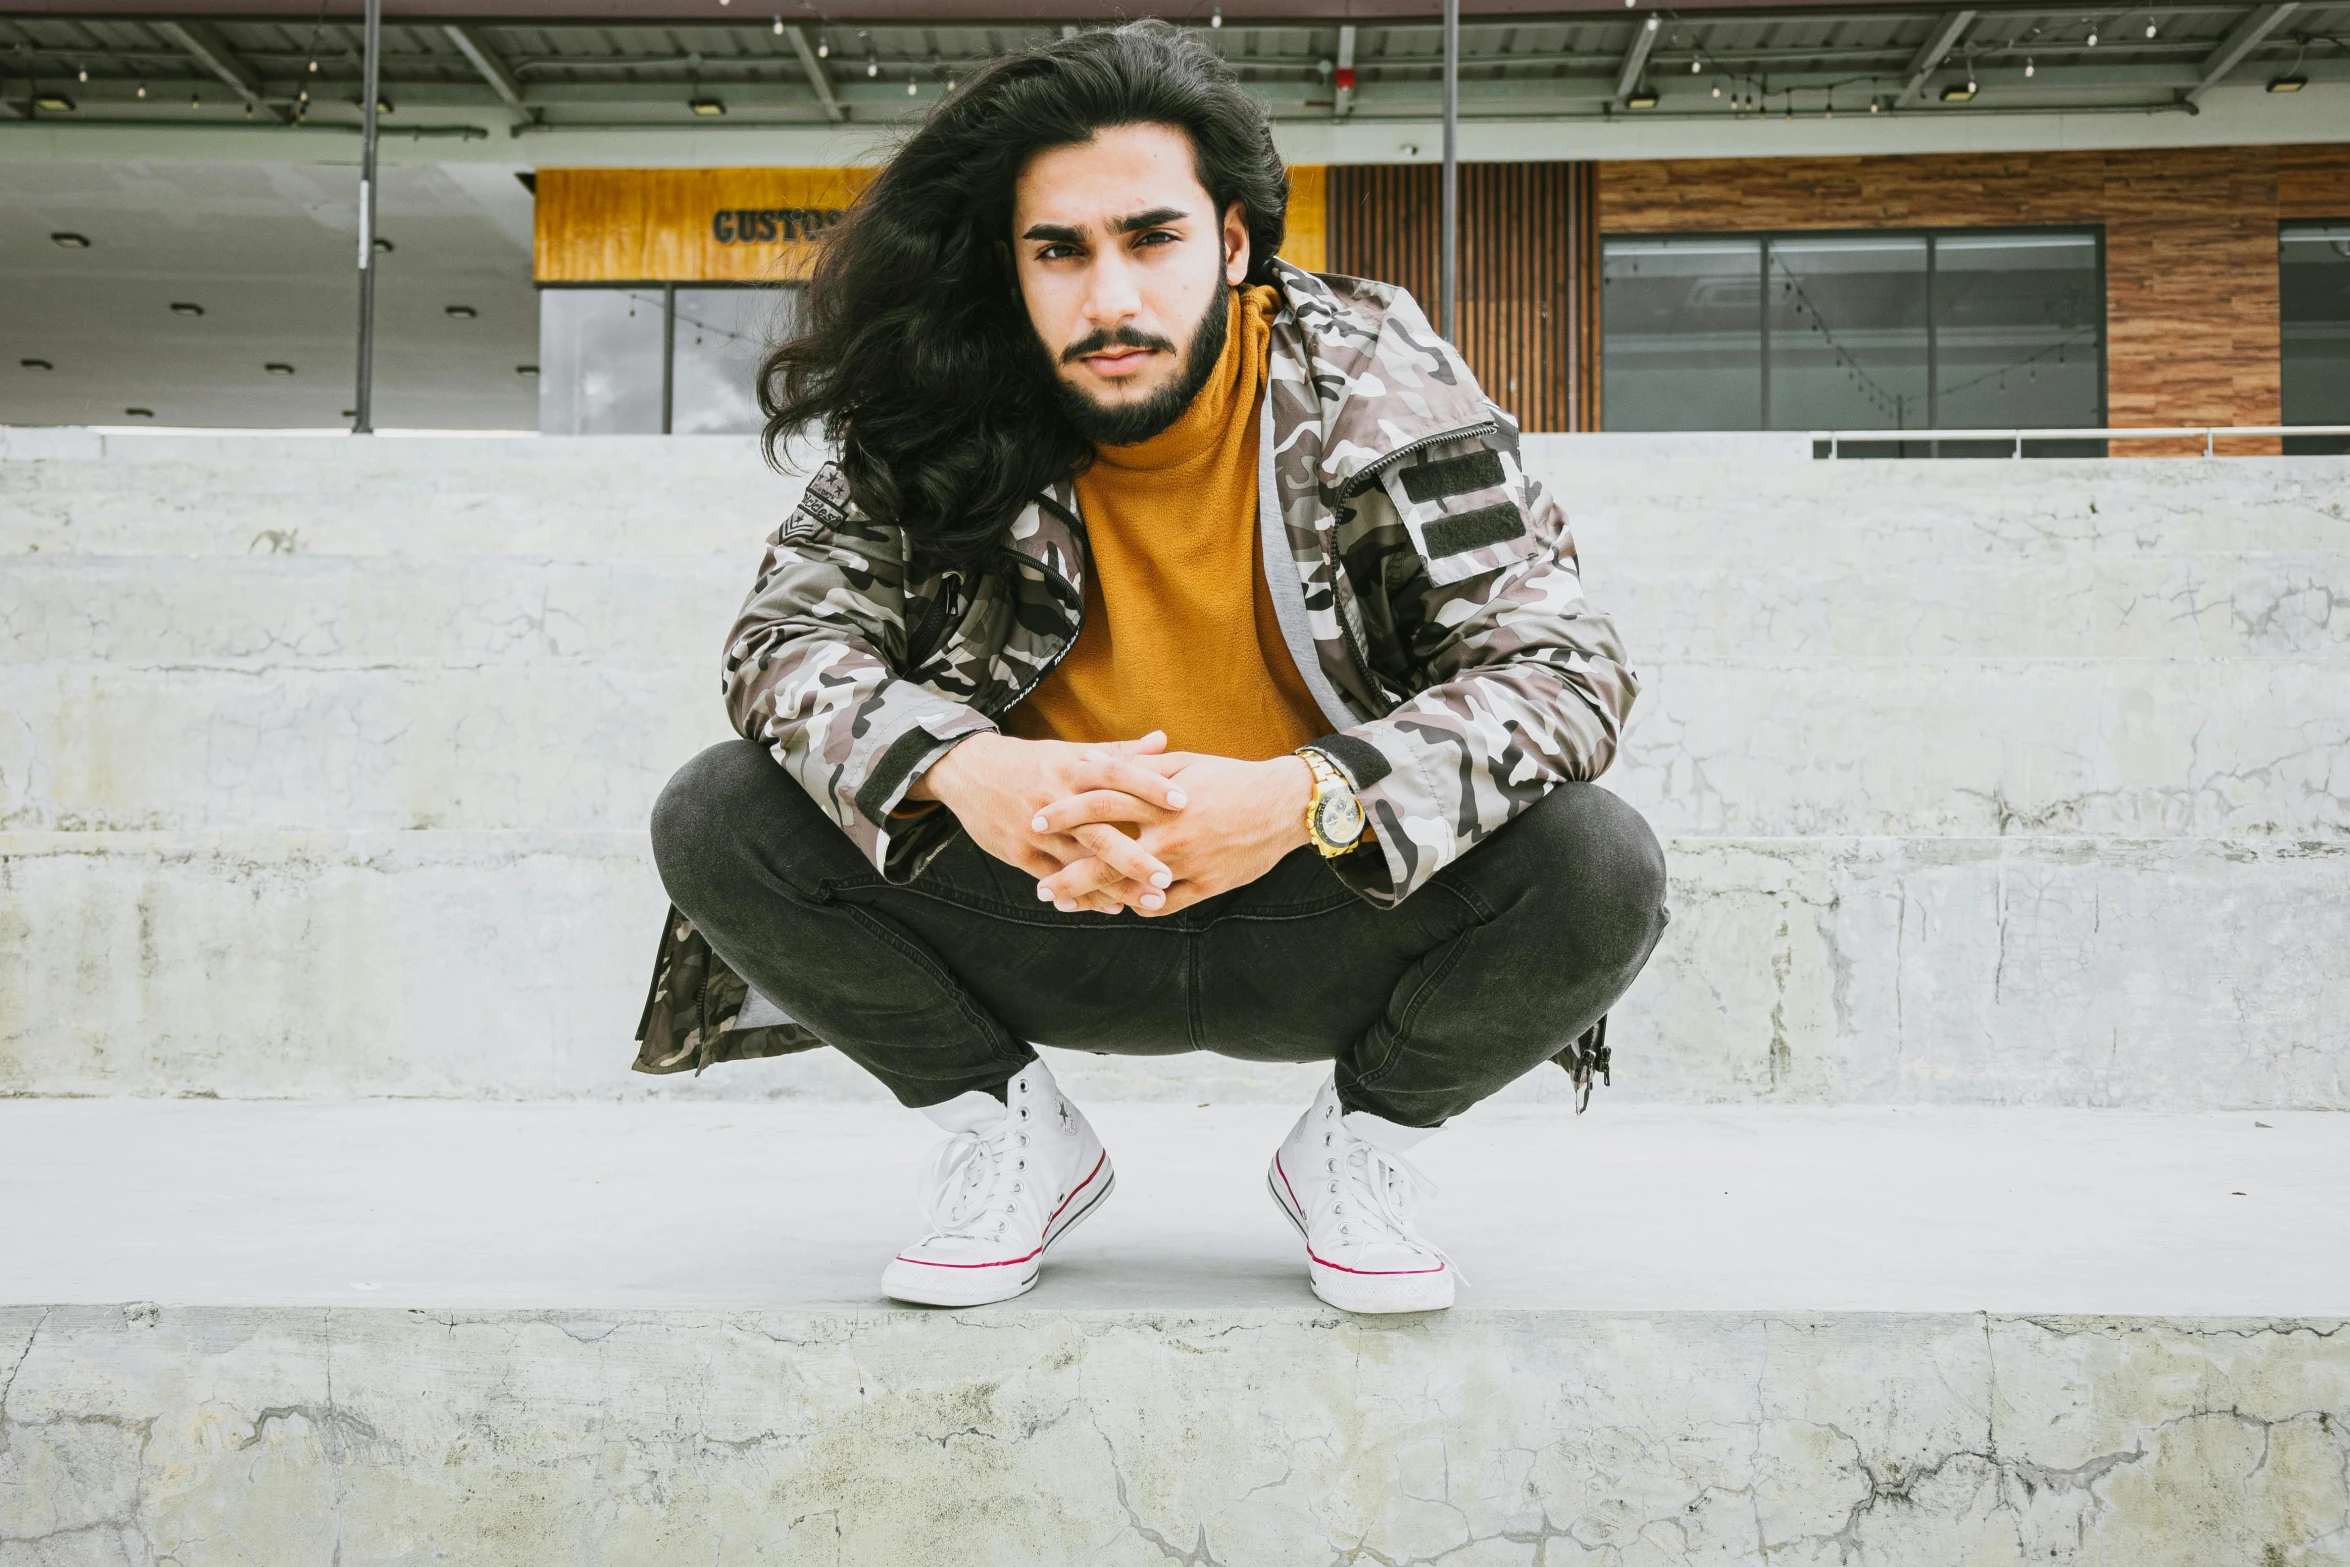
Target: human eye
1156 237
1058 251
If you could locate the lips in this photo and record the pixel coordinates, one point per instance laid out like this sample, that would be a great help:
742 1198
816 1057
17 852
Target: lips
1120 363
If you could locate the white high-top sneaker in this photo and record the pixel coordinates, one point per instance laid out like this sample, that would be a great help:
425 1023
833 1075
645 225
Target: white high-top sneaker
1344 1182
1014 1178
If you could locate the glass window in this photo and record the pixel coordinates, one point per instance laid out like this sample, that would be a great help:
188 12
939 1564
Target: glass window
1881 331
721 335
2018 320
2313 276
600 360
1847 334
1681 335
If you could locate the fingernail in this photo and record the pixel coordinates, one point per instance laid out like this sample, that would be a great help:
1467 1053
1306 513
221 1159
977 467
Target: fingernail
1162 879
1175 799
1039 825
1066 906
1151 900
1044 894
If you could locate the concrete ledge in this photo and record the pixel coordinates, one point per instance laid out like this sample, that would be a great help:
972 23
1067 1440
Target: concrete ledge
1733 602
628 1334
284 1439
2182 973
1748 746
594 497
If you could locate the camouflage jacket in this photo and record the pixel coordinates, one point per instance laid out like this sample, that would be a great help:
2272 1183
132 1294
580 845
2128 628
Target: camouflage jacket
1426 584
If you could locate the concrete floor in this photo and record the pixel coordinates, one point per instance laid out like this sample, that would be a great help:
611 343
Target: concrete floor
1631 1208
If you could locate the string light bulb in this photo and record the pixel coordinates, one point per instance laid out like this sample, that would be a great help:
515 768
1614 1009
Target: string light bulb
779 27
824 47
142 89
1717 89
2092 40
314 67
1216 17
84 74
2029 67
1696 66
911 88
872 67
2150 27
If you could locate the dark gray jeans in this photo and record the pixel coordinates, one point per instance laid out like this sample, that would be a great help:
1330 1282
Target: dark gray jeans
938 986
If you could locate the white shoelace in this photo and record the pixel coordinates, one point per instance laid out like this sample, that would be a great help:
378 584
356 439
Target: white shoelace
958 1185
1383 1173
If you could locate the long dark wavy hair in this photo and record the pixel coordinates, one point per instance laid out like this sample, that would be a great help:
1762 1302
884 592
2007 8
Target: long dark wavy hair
915 353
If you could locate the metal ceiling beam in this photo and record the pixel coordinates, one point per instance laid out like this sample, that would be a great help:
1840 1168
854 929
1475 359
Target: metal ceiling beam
1635 60
207 48
1931 54
486 61
818 77
2250 33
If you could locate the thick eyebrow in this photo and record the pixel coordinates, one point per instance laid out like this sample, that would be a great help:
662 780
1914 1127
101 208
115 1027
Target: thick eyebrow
1061 234
1155 218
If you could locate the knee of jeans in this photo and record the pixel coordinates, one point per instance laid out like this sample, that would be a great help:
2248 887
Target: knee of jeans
1608 868
697 806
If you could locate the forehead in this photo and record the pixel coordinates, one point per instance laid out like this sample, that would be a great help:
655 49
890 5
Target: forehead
1124 169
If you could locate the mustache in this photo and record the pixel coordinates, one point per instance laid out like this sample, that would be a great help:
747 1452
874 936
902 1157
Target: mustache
1116 337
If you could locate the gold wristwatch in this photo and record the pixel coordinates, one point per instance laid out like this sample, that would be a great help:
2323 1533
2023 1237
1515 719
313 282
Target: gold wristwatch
1334 817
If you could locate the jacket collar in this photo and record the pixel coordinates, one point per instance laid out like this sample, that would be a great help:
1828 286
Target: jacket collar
1366 372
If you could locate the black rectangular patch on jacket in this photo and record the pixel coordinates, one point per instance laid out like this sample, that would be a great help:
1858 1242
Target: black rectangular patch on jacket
890 771
1432 481
1473 529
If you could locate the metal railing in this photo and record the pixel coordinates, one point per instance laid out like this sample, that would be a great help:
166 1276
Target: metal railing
2208 433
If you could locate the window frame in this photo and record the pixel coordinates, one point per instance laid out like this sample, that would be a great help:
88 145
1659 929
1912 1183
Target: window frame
668 288
1933 235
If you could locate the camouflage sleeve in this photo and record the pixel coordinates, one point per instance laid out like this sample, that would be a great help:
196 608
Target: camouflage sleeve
1522 684
809 675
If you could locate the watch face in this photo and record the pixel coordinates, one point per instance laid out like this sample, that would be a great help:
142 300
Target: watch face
1339 817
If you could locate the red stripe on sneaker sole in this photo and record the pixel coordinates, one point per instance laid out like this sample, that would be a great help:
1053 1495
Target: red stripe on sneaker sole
1013 1262
1361 1273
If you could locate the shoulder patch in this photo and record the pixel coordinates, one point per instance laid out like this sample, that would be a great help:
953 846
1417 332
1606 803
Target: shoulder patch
823 506
1470 530
1431 481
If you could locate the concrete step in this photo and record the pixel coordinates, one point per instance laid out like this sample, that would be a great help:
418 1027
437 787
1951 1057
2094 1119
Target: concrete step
1729 605
77 492
618 1334
2170 973
1903 747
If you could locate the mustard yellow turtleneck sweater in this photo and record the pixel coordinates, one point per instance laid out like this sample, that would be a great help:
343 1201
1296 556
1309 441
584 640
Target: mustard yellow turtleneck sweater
1179 627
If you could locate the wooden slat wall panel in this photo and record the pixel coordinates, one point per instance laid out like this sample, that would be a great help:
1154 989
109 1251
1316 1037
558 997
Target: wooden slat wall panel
1529 275
2190 243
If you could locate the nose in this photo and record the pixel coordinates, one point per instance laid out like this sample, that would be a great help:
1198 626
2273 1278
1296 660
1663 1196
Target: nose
1111 295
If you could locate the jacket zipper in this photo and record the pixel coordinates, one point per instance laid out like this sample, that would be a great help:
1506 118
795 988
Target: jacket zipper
1364 478
1369 472
938 610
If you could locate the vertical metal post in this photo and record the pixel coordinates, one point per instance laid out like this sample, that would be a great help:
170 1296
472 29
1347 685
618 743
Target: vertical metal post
364 422
1449 283
668 356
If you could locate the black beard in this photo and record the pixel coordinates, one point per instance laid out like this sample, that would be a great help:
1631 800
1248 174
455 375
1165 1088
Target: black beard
1129 423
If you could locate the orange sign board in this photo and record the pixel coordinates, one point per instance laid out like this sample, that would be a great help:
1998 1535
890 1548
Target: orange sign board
686 225
746 225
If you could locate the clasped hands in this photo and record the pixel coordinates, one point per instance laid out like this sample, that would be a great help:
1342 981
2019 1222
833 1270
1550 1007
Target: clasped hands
1202 824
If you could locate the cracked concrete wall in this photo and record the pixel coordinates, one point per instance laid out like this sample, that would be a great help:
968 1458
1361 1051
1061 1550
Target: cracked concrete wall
211 1437
323 766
